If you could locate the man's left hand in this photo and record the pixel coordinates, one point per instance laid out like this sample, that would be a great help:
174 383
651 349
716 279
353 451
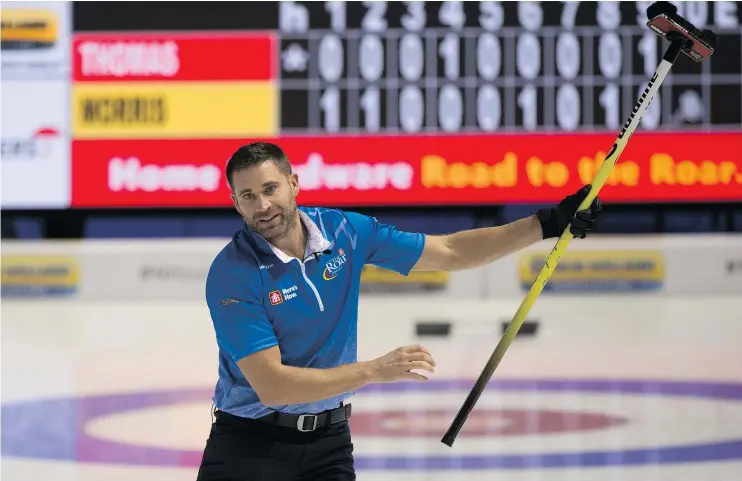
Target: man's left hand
554 221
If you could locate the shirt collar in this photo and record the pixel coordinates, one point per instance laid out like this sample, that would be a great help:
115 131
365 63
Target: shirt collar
316 242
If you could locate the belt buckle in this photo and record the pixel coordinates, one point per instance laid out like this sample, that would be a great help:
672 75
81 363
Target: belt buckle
300 422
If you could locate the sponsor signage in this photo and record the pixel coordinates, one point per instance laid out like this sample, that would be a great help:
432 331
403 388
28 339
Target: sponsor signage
138 172
597 271
376 279
35 40
34 145
39 276
417 170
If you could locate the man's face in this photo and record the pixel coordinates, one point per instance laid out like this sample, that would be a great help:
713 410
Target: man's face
266 199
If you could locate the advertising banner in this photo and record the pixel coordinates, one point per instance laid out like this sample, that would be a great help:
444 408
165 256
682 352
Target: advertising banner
418 170
35 41
192 57
188 109
379 280
637 265
597 271
150 173
34 145
39 276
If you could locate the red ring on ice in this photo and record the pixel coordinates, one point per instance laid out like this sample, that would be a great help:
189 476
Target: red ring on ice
481 422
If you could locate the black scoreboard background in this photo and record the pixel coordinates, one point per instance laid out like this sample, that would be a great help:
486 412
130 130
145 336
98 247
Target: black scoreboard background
487 67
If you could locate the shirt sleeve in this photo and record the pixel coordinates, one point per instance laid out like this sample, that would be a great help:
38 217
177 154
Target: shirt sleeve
240 320
389 247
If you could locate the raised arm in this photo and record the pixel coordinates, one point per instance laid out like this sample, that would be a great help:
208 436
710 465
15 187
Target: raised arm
476 247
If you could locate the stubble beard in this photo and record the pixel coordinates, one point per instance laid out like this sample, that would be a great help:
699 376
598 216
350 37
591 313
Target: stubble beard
284 226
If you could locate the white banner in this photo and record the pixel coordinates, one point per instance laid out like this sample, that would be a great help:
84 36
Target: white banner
175 270
35 146
36 41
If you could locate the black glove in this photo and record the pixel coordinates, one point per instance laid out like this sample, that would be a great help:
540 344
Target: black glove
554 221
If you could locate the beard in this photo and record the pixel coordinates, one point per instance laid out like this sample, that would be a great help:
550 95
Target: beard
279 226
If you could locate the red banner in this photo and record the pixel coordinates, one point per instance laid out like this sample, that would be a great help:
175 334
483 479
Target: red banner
421 170
127 57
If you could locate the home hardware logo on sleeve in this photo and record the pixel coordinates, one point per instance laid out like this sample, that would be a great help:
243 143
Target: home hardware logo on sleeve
275 297
333 266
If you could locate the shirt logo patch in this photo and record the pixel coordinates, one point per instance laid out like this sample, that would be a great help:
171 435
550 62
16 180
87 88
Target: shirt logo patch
290 292
275 297
334 265
278 296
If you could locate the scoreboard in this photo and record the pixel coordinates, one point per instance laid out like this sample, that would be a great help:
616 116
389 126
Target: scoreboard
399 103
489 67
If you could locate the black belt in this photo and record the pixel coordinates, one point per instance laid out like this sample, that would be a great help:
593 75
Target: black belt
309 422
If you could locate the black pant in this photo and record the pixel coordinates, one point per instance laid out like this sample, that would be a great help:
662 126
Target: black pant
240 449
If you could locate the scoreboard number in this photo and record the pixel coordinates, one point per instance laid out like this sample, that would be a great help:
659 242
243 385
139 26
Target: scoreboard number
488 67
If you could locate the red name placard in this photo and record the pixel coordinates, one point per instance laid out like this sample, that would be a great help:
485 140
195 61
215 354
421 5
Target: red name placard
148 57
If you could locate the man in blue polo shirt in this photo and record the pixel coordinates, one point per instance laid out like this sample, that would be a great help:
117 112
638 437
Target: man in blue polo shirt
283 297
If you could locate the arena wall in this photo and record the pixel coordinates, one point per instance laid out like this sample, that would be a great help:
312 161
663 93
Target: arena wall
175 270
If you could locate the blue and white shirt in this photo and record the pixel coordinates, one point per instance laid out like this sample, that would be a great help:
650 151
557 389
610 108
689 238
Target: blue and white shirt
260 297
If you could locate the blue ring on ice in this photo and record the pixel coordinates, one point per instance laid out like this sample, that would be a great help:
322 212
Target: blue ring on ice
55 428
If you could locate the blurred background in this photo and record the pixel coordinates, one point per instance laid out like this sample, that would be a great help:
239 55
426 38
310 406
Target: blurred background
117 122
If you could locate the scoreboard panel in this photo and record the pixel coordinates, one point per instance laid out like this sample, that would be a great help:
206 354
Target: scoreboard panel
410 103
488 67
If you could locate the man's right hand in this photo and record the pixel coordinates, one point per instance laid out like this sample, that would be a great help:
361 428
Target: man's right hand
397 364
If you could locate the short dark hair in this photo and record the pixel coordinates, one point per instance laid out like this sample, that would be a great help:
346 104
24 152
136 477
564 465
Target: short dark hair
254 154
